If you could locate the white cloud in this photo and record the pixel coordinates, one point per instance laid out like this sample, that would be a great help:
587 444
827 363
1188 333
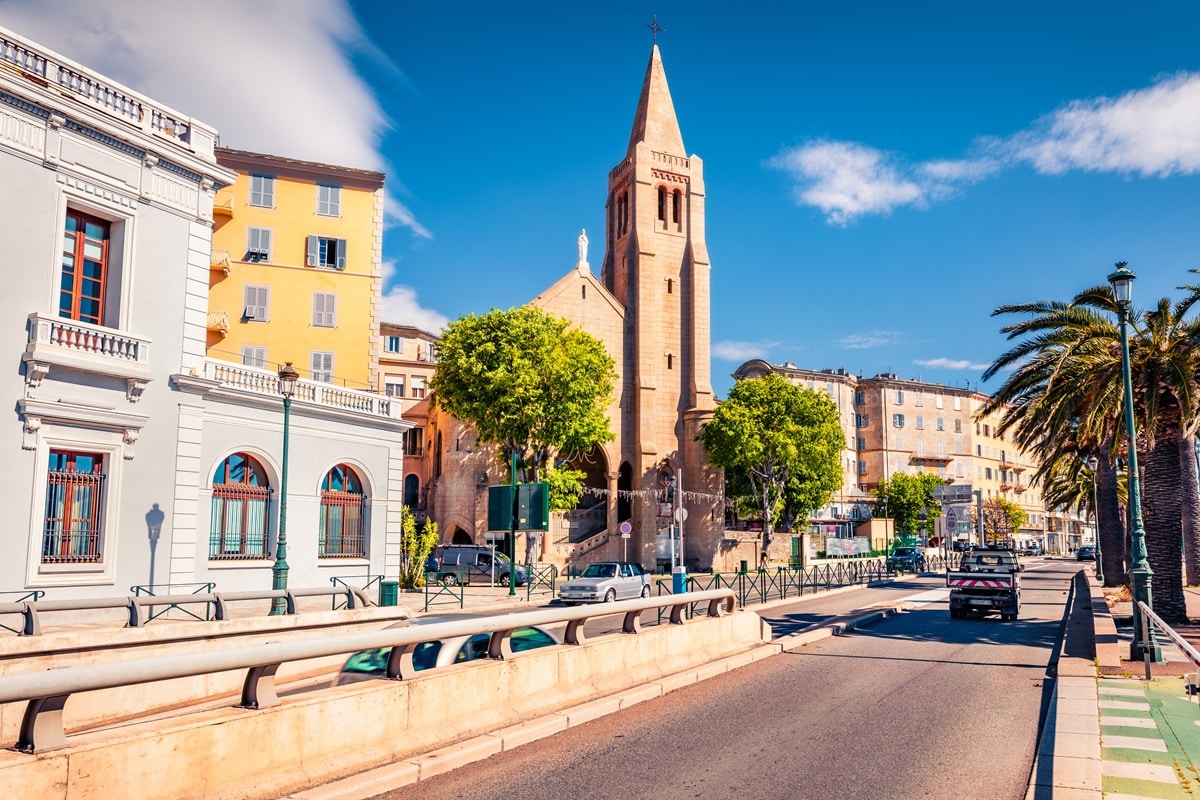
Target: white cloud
1153 132
846 180
949 363
273 76
741 351
400 305
868 339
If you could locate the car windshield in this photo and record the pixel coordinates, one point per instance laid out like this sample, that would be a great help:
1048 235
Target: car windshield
905 551
600 571
375 661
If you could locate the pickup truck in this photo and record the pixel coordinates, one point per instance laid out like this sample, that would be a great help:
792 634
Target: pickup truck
988 580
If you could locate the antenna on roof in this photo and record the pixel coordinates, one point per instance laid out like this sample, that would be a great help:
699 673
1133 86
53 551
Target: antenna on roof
655 27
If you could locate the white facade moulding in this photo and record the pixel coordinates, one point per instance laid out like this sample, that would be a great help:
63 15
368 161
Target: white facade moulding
58 342
35 412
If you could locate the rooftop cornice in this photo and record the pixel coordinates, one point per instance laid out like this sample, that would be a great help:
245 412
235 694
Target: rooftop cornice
247 161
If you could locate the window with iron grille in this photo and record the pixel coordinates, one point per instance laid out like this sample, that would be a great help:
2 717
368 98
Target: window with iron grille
240 504
342 504
72 528
84 268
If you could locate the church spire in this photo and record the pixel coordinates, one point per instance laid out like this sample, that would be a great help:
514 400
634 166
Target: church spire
655 122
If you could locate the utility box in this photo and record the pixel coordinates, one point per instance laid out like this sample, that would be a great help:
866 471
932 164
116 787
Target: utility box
389 593
533 507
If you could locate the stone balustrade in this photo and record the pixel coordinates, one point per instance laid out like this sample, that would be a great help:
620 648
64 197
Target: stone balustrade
264 381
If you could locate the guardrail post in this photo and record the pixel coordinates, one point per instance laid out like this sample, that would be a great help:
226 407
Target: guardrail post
258 690
677 610
575 635
219 608
31 623
42 725
500 645
135 612
400 663
632 623
289 600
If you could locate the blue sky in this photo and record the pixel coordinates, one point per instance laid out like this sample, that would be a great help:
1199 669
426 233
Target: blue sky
880 176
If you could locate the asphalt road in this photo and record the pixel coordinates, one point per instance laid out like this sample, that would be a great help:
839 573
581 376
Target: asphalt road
915 706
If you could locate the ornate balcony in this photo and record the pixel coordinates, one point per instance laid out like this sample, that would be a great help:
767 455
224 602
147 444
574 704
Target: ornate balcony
256 381
221 262
57 342
218 322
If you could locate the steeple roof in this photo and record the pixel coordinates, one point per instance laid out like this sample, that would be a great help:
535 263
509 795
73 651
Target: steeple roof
655 122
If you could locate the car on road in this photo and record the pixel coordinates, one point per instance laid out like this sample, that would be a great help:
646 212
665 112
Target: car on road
368 664
472 563
1086 553
904 559
606 581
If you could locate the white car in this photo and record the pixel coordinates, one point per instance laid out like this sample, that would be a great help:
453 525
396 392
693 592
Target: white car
606 581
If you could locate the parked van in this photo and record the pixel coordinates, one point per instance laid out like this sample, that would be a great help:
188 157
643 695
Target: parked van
471 563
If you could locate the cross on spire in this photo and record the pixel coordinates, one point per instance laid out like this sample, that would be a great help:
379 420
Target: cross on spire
655 27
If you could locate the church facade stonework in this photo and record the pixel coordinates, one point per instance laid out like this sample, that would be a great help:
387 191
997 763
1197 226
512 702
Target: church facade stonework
650 308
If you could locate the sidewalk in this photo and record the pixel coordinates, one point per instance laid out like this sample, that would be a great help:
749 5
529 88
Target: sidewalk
1108 733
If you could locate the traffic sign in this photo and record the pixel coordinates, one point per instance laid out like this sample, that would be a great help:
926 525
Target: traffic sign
625 535
625 528
680 514
951 519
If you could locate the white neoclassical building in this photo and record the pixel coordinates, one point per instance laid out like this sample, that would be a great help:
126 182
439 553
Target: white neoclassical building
131 458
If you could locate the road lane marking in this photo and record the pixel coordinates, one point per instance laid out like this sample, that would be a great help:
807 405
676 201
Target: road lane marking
1133 743
1127 722
1140 772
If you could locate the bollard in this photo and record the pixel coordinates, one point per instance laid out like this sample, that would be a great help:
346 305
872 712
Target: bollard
678 580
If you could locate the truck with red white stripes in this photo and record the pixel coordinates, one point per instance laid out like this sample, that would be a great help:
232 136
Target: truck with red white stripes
987 581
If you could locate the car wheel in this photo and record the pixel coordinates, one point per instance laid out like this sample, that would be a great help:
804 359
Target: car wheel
449 579
645 591
568 602
954 613
504 579
610 596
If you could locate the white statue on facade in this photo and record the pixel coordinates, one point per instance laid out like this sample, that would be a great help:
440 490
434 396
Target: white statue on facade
583 243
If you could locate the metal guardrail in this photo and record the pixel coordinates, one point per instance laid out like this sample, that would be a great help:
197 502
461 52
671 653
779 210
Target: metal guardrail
139 607
35 595
541 581
46 692
1150 647
199 588
336 581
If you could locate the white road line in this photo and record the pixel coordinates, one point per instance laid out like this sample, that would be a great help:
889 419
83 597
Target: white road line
1127 722
1133 743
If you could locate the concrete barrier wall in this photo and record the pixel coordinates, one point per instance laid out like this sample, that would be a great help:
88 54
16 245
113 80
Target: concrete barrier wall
321 735
88 647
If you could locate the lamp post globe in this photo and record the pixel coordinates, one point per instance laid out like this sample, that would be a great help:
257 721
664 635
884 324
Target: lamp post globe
1141 576
279 570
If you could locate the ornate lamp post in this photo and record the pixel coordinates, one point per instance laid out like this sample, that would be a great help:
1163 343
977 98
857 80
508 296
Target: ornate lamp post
1093 463
1141 575
279 571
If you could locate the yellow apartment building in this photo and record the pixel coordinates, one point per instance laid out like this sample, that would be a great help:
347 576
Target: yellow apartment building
297 268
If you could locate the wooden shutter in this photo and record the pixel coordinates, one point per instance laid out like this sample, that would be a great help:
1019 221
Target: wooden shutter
324 309
314 252
341 253
256 299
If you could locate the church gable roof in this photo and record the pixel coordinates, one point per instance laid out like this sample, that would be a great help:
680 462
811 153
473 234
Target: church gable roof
655 122
566 290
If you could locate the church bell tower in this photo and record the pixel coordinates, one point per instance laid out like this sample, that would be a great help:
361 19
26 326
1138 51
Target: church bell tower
656 265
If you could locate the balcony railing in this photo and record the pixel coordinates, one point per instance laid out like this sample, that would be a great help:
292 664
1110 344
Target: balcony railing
218 322
54 341
220 261
266 382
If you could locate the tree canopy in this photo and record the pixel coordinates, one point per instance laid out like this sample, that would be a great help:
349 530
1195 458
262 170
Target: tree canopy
1001 519
784 440
908 499
528 382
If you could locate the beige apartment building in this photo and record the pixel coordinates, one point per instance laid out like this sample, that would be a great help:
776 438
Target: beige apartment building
896 425
407 362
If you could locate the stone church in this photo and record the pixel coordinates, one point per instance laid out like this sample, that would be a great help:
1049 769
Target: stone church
650 308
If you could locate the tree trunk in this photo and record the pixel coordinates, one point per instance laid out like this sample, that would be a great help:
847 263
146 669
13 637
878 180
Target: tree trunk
1108 518
1162 520
768 523
1189 498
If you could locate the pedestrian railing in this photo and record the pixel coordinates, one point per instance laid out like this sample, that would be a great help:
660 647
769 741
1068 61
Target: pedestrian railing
139 606
1146 640
18 597
154 611
542 580
46 691
443 594
361 582
781 583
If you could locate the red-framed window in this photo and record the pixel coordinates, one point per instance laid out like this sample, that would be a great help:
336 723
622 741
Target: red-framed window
342 504
84 268
241 500
72 533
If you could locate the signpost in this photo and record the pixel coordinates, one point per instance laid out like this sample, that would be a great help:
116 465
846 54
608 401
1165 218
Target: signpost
626 530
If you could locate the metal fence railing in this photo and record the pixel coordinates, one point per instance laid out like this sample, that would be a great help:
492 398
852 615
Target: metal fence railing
155 611
361 582
542 580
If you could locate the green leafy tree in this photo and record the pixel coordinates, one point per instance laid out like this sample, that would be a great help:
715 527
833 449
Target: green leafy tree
1001 519
770 433
566 487
415 546
529 383
908 499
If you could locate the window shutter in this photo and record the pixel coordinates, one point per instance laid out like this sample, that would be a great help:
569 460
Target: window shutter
313 251
341 253
318 308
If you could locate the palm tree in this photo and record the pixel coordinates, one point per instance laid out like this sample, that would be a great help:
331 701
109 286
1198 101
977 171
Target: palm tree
1062 400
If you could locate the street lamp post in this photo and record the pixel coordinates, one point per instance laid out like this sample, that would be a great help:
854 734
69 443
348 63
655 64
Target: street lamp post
1140 573
1093 463
279 571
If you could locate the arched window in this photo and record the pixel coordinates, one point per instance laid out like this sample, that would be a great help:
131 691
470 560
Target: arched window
240 502
676 206
412 490
342 504
662 203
